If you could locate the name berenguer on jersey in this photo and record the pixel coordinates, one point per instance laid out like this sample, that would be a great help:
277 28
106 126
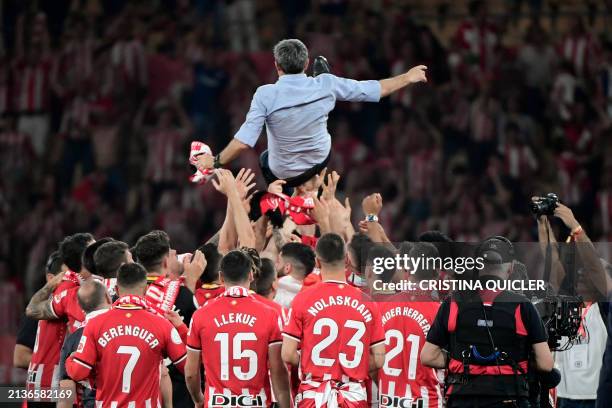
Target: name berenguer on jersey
349 301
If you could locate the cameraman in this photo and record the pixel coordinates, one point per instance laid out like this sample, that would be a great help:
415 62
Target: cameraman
581 364
489 336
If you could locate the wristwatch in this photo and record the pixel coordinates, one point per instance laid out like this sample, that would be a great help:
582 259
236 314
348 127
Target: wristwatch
217 162
371 218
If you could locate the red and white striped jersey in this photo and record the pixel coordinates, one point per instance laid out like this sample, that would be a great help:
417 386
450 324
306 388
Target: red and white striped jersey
423 169
604 203
579 50
336 324
163 145
519 159
32 85
234 331
43 370
123 349
403 380
130 58
65 306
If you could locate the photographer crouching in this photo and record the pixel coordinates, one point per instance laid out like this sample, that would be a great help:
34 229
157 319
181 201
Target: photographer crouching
485 339
575 269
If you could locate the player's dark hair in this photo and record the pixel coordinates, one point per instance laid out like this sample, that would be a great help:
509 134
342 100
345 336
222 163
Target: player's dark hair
359 247
262 285
131 275
91 299
425 250
109 257
213 259
434 236
151 248
330 249
71 249
88 254
54 263
383 252
301 256
236 266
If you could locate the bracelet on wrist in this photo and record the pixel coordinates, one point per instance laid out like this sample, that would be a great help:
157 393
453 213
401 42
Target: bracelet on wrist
217 162
371 218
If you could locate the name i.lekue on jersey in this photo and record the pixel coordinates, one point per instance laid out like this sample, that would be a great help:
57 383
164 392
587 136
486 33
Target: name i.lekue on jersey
349 301
230 318
128 330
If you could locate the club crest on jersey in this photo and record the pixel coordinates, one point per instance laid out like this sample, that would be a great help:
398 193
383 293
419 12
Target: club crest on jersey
221 400
400 402
58 298
81 345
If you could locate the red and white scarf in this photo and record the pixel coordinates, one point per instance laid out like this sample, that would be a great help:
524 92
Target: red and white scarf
131 301
198 148
162 292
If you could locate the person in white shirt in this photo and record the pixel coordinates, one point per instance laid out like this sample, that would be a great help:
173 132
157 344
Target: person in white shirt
295 261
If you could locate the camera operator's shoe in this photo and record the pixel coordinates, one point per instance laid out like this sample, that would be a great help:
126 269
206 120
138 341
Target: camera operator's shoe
320 66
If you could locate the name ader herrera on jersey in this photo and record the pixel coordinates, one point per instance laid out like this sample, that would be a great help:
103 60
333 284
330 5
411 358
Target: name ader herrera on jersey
321 304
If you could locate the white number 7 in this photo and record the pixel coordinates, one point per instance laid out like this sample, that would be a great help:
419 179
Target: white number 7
129 367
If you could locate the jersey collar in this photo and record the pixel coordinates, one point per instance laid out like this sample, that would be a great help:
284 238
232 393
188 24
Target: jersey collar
236 291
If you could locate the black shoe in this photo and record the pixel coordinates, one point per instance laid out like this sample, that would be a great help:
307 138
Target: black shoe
320 66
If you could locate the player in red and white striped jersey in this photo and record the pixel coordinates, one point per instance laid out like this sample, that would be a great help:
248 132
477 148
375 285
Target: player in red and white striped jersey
241 338
43 369
406 318
340 334
126 346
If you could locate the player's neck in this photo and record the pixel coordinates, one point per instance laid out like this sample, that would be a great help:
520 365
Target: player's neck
297 276
336 274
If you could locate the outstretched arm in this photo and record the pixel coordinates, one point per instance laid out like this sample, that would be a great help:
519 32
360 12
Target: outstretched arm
414 75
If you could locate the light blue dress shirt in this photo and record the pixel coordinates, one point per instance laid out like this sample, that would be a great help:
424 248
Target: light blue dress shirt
295 110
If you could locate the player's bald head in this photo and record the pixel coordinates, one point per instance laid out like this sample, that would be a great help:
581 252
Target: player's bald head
92 295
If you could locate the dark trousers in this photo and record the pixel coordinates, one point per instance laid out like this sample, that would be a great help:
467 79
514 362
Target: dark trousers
292 181
486 402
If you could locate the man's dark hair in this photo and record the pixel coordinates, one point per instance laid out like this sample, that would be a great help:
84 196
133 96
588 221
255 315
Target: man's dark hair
91 295
151 248
301 256
359 247
425 250
71 249
383 252
54 263
109 257
262 285
444 244
330 249
88 254
434 236
131 275
213 260
291 56
236 266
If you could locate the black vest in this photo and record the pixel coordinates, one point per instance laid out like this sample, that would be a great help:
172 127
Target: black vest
475 367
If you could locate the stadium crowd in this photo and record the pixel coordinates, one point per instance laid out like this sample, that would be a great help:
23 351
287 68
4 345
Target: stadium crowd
100 101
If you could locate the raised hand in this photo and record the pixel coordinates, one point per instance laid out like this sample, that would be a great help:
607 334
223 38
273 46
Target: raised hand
276 187
225 181
244 182
372 204
329 188
417 74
